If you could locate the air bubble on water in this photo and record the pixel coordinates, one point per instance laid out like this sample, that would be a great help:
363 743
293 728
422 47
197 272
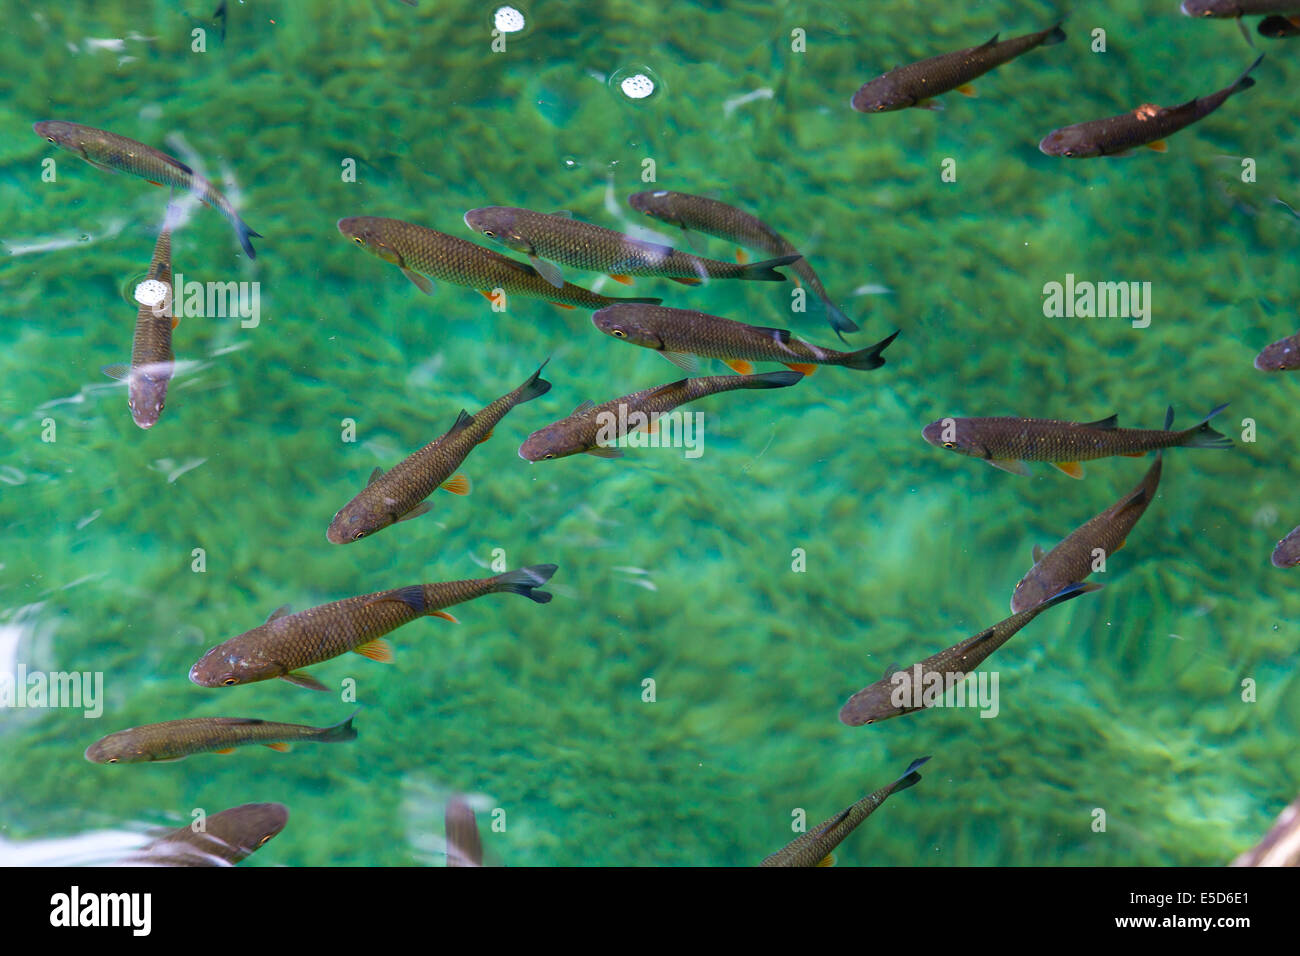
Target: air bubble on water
569 162
636 83
508 19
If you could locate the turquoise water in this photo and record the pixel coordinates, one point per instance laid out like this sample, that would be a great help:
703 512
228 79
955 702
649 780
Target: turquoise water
670 569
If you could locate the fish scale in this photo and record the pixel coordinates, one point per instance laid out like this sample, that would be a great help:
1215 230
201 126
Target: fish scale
174 739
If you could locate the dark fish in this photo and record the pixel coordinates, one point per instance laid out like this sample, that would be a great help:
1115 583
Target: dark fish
1008 443
1148 125
888 697
226 838
176 739
1287 552
1282 356
421 252
814 848
916 84
399 493
1228 9
1279 27
287 642
734 225
105 150
590 424
1280 845
152 361
684 335
1072 559
464 846
548 239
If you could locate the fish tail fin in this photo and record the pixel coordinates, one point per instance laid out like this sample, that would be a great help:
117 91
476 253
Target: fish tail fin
869 358
1201 435
535 387
245 234
769 380
765 271
910 777
1055 35
524 581
340 731
1245 81
840 322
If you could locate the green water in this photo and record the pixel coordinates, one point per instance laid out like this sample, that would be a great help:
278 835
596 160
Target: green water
1127 701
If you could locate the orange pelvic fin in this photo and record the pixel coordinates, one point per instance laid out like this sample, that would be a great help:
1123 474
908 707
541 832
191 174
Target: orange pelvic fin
739 366
445 616
377 650
457 485
1071 468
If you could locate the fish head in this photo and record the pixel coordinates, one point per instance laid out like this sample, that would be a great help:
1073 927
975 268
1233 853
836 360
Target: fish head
1209 8
147 393
880 96
249 827
67 135
871 704
551 442
358 518
120 747
240 660
498 224
369 233
657 204
629 323
1282 356
954 434
1069 141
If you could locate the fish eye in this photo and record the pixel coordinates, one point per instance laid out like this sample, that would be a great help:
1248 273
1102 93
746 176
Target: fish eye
262 842
489 233
230 680
111 760
548 455
358 536
618 333
51 139
950 444
870 720
358 240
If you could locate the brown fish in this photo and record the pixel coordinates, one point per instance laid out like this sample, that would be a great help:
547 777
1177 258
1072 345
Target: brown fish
177 739
1148 125
916 84
464 846
225 839
1280 846
1287 552
592 428
399 493
1282 356
288 642
1278 27
1072 559
1008 443
815 847
903 691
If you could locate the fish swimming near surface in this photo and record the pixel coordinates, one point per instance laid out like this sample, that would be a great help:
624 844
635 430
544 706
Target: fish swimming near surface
1281 356
591 427
903 691
683 336
419 253
1008 443
1072 560
225 838
177 739
1148 125
109 151
287 642
1287 552
815 848
549 239
714 218
152 361
399 493
464 845
917 84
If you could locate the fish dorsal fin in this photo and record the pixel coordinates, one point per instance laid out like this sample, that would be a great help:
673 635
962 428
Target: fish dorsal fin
1104 423
891 670
1136 500
778 335
562 213
1038 554
237 721
278 613
374 476
982 636
993 41
586 406
463 421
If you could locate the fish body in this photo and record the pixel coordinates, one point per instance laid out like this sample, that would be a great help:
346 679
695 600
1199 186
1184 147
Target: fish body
419 252
916 84
225 838
1008 443
175 739
1282 356
1229 9
464 845
683 335
110 151
814 848
288 642
1072 560
549 239
1278 26
701 214
1148 125
890 697
399 493
590 425
1287 552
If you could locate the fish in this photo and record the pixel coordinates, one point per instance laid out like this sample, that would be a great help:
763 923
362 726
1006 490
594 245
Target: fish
109 151
683 336
584 431
927 680
1229 9
715 218
917 84
419 252
1278 27
1280 846
815 848
225 839
1008 443
1287 552
1148 125
177 739
399 493
464 846
1281 356
1072 559
550 239
152 361
287 642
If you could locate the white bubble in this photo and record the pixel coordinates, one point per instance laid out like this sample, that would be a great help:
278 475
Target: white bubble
508 20
637 86
151 292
